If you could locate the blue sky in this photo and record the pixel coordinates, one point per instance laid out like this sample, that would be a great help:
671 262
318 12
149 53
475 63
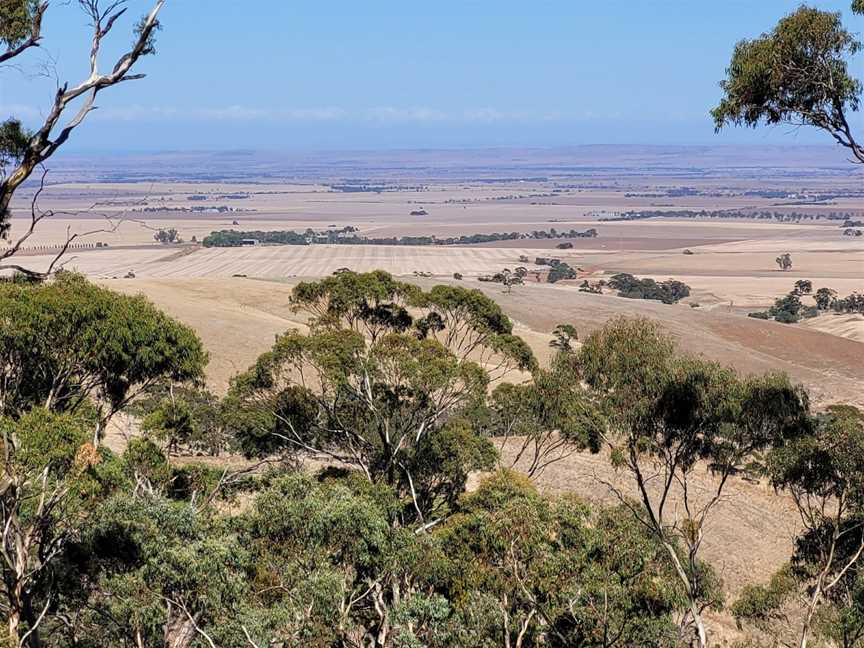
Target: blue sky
301 75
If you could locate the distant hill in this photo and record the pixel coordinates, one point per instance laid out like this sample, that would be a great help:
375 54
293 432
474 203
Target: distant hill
451 164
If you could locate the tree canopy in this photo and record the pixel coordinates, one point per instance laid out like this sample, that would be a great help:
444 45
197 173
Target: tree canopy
68 343
798 73
668 414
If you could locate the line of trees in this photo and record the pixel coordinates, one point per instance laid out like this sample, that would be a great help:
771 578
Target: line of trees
670 291
789 309
732 214
346 236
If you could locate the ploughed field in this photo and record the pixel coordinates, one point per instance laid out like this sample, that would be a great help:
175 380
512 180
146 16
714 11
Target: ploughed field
730 265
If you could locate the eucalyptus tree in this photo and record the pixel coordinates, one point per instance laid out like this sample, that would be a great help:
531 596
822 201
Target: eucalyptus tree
148 571
330 568
546 419
530 571
825 297
23 151
72 356
823 470
383 383
670 415
803 287
797 73
182 417
388 408
70 344
50 479
510 568
467 322
564 337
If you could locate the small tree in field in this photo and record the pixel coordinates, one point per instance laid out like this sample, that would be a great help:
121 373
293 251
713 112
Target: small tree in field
803 287
564 336
784 261
167 236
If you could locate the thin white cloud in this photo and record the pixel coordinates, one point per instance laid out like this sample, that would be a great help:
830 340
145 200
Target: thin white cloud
391 114
223 113
378 114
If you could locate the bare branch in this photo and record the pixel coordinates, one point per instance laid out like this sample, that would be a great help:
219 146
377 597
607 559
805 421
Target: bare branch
41 145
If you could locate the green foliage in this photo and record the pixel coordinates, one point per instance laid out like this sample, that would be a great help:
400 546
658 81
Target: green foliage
853 303
16 21
381 389
787 309
564 336
144 566
42 439
668 413
669 292
546 419
68 341
53 478
560 271
347 236
822 466
181 417
457 305
825 298
627 361
465 321
803 286
145 462
149 48
167 236
762 605
235 238
317 547
384 407
371 302
60 445
827 463
14 140
549 566
442 462
384 547
796 73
